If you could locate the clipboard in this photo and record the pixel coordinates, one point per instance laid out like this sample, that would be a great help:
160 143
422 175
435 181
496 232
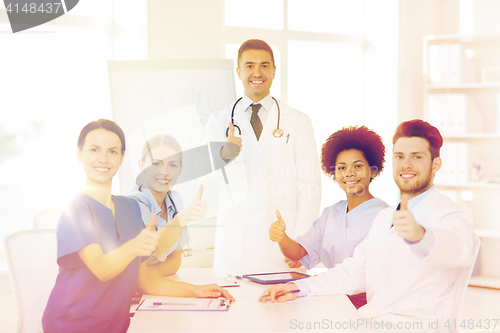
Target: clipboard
184 304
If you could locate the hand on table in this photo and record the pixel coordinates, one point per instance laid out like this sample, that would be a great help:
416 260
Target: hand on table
280 293
404 223
212 290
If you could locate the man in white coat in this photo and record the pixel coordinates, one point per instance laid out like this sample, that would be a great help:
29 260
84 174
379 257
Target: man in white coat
274 166
417 259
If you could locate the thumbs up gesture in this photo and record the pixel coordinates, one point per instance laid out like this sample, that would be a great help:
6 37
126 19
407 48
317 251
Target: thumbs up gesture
277 229
404 223
233 145
146 241
196 210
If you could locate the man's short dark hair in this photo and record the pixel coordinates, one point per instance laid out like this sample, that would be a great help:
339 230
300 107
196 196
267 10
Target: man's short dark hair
420 129
255 44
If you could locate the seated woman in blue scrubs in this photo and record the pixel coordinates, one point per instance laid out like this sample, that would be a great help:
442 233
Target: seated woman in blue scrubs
161 165
101 244
352 157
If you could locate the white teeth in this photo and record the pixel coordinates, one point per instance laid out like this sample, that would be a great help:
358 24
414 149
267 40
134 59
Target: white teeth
102 169
350 183
257 81
162 181
406 175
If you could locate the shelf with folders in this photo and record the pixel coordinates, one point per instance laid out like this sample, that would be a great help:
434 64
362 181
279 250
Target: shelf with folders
462 99
472 136
463 86
470 185
487 233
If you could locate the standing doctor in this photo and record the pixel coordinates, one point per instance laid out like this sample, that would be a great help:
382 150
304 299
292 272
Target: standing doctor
274 165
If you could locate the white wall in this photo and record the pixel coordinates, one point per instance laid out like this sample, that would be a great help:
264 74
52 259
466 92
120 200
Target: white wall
417 19
186 29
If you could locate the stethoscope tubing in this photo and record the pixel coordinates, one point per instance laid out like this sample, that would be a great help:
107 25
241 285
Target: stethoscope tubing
277 132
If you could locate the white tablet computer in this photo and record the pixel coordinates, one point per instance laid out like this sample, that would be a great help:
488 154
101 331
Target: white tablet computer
273 278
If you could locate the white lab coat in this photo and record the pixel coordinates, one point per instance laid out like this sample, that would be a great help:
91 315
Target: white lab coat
401 285
272 173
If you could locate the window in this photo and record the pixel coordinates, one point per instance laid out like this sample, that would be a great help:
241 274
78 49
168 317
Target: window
54 81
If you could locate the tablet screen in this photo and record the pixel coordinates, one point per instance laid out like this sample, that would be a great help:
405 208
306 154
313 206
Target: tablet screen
280 276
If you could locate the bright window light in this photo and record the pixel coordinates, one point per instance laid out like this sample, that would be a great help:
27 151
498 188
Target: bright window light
56 83
466 17
326 16
262 14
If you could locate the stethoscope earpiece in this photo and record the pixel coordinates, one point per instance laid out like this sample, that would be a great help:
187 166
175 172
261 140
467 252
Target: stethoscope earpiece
278 132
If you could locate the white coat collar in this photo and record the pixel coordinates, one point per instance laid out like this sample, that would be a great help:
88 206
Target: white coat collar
424 207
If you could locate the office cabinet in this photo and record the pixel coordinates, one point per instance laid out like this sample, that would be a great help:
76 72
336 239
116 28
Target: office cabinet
462 99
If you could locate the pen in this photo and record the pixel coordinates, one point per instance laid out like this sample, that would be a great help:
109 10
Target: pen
287 137
286 292
163 303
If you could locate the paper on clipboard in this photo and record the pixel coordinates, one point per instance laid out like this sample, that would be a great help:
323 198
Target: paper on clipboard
184 304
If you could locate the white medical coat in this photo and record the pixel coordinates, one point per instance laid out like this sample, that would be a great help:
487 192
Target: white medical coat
272 173
400 285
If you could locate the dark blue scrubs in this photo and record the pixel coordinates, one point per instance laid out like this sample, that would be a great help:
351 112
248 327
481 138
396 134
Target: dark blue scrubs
80 302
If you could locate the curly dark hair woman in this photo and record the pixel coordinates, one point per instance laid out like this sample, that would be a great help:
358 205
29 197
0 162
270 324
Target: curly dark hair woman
353 137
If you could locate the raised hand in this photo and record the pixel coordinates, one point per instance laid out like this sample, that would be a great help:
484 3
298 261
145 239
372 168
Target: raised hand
277 229
145 243
404 223
196 210
233 148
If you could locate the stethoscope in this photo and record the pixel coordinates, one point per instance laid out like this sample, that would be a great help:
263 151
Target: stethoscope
188 254
278 132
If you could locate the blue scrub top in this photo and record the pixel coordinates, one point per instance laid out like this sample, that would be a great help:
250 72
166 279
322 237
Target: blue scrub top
148 205
80 302
336 233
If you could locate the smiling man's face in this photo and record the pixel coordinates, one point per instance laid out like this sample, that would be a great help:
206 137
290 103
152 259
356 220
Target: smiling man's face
413 166
256 71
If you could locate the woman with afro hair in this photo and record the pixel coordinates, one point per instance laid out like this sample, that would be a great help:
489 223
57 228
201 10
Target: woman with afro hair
352 157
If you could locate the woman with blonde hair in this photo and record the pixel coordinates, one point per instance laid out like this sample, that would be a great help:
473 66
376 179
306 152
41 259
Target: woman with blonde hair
161 165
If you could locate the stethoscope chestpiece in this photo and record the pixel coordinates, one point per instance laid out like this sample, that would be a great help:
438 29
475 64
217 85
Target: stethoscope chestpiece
278 133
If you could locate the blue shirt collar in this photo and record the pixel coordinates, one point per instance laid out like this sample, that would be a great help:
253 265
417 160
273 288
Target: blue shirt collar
413 202
156 208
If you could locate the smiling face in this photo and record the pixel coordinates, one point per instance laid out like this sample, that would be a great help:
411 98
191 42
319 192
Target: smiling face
352 172
413 167
256 71
101 156
162 170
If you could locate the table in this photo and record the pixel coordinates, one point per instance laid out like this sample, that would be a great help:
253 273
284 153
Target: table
246 313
